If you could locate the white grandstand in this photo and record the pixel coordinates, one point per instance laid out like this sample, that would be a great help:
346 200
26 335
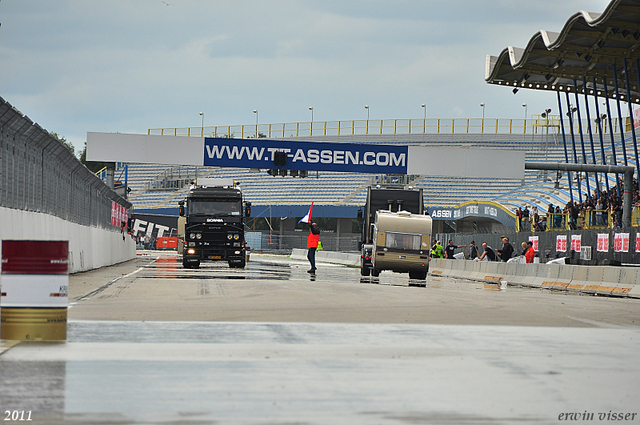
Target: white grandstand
159 186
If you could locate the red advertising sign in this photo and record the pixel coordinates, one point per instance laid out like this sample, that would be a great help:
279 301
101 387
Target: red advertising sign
576 242
167 242
637 242
621 242
561 243
603 242
119 214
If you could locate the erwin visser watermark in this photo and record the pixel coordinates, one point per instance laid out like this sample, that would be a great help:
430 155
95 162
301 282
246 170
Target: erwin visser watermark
593 416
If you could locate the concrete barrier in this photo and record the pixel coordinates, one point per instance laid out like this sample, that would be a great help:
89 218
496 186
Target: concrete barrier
477 270
460 267
89 247
581 279
512 276
601 280
436 266
491 270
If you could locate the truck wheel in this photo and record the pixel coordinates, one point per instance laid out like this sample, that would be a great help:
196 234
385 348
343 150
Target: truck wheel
365 271
375 272
185 264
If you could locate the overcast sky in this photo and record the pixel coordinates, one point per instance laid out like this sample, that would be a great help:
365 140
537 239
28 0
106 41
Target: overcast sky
126 66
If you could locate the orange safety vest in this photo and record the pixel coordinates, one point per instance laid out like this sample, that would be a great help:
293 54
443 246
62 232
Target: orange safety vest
312 240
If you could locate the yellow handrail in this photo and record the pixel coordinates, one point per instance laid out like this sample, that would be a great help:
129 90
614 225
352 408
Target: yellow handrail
590 219
536 125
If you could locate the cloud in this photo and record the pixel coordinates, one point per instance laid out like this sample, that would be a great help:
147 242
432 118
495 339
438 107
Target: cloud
78 66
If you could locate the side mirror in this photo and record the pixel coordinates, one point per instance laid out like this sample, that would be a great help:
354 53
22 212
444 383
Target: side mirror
247 209
181 208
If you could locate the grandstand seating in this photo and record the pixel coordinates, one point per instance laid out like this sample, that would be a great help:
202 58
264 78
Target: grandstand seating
334 188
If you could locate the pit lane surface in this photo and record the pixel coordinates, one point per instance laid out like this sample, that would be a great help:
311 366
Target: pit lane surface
275 289
150 342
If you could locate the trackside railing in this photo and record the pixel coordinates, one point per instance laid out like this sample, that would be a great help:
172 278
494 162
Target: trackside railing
590 219
536 125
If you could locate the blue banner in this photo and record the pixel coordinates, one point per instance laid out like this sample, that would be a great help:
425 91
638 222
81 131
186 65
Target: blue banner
320 156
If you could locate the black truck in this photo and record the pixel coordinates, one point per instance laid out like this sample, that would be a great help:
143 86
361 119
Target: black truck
211 225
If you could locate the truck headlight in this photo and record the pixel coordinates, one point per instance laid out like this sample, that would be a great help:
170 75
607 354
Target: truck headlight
236 236
191 251
199 235
192 236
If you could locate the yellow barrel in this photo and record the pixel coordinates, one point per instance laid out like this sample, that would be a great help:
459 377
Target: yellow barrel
33 324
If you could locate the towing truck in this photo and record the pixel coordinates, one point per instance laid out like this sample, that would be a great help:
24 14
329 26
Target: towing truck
211 224
396 235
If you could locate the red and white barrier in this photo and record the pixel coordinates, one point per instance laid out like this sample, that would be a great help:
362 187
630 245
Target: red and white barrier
34 286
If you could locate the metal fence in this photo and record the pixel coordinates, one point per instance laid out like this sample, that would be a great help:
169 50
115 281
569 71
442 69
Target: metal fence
590 253
534 125
285 243
38 173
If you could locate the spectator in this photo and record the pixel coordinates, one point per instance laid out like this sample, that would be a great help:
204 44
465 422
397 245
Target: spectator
488 253
507 250
557 218
542 225
599 220
437 251
530 253
473 251
449 250
525 220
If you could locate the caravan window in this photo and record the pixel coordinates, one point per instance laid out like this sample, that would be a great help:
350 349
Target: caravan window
403 241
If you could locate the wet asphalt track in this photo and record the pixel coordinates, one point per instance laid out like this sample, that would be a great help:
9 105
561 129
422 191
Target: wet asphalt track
371 369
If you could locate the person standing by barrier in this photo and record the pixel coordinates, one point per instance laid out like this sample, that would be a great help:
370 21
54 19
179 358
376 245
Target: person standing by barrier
526 221
529 253
312 245
436 250
557 219
450 249
507 250
488 253
473 251
599 220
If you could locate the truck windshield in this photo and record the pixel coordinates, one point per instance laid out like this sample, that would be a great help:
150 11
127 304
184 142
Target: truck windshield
403 241
204 207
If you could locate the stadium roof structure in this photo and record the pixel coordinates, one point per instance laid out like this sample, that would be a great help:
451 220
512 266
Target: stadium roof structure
592 49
